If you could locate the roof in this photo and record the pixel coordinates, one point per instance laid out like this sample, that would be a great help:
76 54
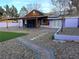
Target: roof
28 17
34 13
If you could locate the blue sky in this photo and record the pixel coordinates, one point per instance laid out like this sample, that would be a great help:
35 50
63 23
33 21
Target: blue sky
45 4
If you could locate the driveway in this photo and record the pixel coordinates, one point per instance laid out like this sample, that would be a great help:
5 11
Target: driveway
37 41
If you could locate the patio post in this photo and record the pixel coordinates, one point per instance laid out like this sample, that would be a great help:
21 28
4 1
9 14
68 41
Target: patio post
36 22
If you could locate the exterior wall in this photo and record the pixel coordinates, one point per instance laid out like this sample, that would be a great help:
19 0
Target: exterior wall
71 22
10 24
54 24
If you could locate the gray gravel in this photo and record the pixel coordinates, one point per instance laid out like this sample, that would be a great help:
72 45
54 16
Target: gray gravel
66 50
12 50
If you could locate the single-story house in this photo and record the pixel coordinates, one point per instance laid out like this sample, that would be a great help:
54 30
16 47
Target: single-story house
35 19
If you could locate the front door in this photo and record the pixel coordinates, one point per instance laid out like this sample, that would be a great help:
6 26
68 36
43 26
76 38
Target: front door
31 23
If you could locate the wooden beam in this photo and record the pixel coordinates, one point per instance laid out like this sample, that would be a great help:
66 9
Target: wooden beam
36 22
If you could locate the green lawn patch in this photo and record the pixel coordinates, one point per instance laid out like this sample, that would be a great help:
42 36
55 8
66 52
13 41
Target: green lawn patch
9 35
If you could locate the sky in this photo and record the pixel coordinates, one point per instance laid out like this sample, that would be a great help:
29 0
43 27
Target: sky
45 5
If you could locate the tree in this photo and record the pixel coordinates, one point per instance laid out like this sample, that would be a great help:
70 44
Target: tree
7 10
23 11
1 11
76 4
13 11
70 10
61 5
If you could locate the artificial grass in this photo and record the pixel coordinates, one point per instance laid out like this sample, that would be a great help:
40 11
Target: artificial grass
9 35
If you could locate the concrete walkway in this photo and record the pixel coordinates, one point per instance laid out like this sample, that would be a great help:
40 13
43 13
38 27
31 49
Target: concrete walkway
37 41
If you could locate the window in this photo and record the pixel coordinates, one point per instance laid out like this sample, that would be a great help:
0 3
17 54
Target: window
44 22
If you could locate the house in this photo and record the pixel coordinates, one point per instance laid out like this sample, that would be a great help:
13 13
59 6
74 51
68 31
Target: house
34 19
37 19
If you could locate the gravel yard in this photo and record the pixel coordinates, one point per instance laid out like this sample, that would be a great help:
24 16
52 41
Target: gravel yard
67 50
64 50
12 50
